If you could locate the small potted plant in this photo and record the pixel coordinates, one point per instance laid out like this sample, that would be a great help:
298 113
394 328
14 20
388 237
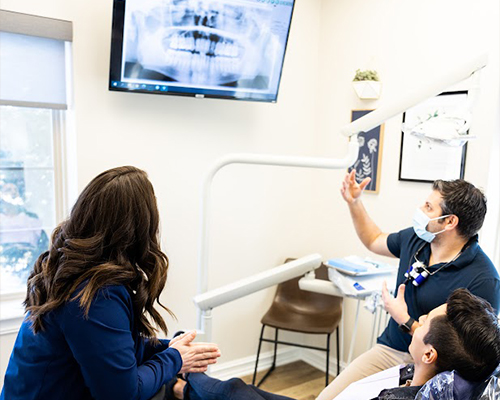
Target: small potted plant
366 84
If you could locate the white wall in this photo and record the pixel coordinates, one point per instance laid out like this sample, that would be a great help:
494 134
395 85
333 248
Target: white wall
262 215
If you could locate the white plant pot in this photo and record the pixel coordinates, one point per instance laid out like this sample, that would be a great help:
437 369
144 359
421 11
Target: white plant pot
367 89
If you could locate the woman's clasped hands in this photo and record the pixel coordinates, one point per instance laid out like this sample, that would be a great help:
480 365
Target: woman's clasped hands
196 357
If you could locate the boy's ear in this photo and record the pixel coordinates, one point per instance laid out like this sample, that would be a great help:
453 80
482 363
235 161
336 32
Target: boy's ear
430 356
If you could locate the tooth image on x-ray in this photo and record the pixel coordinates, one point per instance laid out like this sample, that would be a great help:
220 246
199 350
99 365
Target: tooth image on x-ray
201 42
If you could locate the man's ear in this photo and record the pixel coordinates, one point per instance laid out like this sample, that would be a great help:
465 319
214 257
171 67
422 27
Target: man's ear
452 221
430 356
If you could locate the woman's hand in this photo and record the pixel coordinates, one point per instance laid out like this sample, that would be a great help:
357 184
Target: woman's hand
396 307
196 357
351 190
177 338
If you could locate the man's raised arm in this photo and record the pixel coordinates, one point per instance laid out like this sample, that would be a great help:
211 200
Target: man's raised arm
368 232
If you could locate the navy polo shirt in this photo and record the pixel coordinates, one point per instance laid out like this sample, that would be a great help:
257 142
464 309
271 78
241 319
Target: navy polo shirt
473 270
99 357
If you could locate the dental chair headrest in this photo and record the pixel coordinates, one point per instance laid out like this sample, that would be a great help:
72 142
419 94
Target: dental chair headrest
490 389
464 390
451 386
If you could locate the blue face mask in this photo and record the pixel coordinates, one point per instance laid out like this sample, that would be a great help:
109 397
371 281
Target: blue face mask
420 222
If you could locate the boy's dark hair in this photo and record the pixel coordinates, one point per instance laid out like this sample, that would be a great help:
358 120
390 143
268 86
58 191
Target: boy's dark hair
467 338
464 200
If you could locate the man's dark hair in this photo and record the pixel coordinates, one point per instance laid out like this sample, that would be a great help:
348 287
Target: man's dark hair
467 338
464 200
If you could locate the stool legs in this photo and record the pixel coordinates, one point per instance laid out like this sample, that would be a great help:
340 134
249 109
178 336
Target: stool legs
327 357
276 342
275 348
273 366
258 352
338 352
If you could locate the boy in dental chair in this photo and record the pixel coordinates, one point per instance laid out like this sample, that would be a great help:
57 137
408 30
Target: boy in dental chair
439 253
462 335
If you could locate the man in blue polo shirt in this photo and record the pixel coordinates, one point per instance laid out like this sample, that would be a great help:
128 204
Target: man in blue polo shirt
438 254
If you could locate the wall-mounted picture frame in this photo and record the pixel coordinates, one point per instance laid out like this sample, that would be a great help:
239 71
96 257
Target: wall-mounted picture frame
422 161
369 161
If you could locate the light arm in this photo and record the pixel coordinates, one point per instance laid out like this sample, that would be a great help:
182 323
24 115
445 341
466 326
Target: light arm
252 284
255 159
412 96
415 95
209 300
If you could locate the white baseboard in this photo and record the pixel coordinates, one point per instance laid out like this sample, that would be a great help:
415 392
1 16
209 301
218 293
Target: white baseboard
245 366
318 360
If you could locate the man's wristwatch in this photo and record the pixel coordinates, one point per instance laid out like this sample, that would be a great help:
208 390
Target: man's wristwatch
406 327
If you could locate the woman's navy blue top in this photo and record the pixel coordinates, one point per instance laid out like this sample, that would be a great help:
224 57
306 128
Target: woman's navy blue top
472 270
99 357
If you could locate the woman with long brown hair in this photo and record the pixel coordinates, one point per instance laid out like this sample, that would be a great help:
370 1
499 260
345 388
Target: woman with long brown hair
90 330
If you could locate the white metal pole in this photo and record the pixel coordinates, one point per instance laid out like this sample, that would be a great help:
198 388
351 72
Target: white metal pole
225 294
354 333
256 159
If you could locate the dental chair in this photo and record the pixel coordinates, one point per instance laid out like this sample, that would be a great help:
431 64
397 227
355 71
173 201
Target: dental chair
450 386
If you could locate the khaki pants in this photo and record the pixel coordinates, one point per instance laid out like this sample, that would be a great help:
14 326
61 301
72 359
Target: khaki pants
377 359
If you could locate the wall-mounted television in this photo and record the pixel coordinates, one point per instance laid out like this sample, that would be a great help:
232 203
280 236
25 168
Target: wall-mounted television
231 49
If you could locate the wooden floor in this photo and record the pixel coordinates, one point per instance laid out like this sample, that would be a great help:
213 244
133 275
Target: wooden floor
297 380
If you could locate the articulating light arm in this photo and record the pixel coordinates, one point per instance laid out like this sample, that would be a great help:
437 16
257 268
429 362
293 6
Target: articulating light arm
225 294
252 284
413 96
255 159
410 98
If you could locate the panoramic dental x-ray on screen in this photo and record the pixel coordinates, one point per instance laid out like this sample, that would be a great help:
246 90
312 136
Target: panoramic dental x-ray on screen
226 48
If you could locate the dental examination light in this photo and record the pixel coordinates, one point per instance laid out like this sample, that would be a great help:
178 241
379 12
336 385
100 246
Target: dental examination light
410 97
414 96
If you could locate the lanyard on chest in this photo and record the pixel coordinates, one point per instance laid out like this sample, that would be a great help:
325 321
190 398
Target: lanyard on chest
417 273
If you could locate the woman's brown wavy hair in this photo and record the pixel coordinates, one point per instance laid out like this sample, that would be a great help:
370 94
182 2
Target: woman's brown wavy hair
110 238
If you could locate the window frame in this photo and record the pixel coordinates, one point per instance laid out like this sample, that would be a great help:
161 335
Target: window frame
11 308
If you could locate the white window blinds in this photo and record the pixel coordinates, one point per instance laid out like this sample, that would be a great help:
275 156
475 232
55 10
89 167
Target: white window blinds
33 54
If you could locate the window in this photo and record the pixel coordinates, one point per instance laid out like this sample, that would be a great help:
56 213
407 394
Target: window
27 191
34 60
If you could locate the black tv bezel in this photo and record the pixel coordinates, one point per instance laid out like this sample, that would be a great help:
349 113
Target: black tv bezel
117 50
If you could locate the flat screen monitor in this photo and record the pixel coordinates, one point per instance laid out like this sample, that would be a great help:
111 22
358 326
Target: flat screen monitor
231 49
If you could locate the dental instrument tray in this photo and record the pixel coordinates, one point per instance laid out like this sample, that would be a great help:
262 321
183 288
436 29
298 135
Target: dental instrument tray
361 286
357 266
